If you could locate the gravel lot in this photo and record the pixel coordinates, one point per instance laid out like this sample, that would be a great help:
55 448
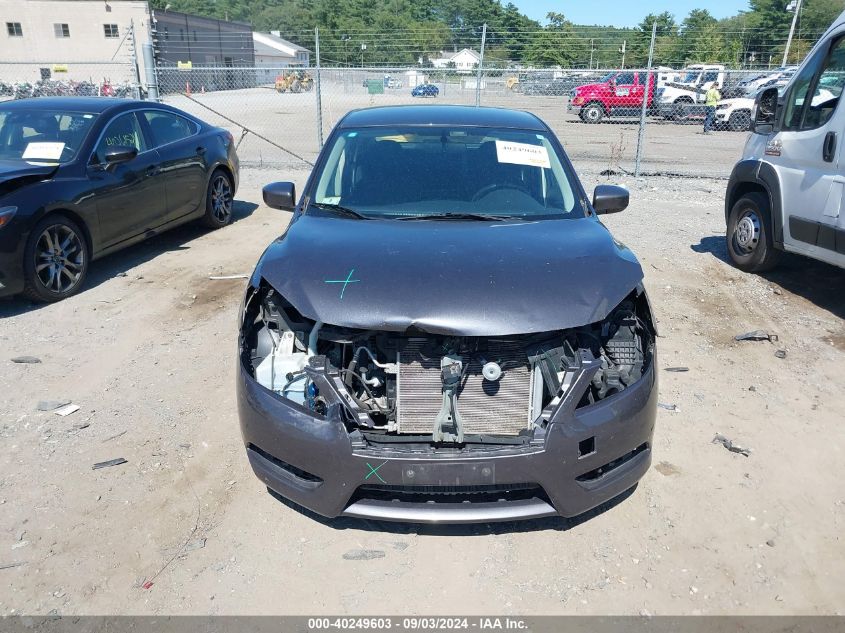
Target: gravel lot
290 120
148 353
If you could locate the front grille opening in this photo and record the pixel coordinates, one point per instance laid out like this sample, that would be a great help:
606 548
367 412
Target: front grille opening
587 447
601 471
304 475
485 493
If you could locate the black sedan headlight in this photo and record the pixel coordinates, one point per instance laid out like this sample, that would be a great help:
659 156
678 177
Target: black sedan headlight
6 215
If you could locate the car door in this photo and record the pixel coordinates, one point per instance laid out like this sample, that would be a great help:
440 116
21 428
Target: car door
183 160
623 89
129 196
807 154
635 99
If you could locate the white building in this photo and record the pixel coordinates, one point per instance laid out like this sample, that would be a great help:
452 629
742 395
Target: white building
79 40
463 61
273 53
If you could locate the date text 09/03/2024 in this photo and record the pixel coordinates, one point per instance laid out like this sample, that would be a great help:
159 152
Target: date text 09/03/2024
418 623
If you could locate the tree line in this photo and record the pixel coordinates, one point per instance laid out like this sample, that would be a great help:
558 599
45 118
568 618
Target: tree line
404 32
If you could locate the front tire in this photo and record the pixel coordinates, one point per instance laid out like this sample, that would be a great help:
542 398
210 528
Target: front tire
592 113
740 121
680 113
219 200
749 235
55 260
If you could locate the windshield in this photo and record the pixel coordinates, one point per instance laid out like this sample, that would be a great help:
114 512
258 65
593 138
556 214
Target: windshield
606 79
42 135
437 171
692 76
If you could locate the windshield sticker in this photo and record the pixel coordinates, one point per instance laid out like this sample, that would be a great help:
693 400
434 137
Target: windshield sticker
522 154
49 151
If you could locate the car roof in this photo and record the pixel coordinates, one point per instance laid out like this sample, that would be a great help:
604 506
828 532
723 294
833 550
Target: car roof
71 104
442 115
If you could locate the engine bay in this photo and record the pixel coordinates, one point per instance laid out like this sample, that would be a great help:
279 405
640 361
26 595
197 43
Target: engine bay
438 388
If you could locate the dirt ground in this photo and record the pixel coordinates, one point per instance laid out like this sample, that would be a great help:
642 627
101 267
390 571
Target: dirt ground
148 353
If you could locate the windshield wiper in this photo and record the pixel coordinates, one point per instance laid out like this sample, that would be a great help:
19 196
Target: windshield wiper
457 216
340 210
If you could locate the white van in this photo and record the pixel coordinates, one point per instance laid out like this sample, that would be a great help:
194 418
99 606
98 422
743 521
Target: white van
788 191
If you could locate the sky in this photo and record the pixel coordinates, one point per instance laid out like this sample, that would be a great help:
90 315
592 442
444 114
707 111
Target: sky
624 12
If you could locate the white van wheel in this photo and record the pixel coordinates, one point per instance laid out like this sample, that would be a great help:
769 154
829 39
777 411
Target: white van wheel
749 235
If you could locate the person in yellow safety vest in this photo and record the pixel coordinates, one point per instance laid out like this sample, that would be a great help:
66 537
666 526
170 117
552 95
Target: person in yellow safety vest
711 98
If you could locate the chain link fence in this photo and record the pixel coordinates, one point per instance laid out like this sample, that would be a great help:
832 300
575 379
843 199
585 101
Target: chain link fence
616 120
282 115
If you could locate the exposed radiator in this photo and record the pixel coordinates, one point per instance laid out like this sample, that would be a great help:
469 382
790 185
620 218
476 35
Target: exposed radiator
489 408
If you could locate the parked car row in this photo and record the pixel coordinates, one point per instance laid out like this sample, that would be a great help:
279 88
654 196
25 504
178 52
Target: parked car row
671 95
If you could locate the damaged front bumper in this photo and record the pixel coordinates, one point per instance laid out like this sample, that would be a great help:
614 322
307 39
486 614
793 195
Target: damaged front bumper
586 456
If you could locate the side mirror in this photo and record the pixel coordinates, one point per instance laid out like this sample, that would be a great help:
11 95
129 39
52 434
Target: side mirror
764 112
610 199
120 154
280 195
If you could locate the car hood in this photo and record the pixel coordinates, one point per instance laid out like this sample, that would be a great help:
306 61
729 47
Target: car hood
14 169
450 277
737 101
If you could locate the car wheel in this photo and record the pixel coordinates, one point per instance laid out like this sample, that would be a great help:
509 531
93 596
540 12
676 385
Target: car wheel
592 113
681 110
749 234
740 121
219 200
55 260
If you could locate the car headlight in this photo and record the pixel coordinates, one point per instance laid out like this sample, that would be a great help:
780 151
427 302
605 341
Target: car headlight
6 215
722 106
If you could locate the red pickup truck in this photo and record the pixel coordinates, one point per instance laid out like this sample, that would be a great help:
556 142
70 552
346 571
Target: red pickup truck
619 93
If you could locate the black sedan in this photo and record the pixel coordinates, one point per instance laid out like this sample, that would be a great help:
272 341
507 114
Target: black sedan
83 177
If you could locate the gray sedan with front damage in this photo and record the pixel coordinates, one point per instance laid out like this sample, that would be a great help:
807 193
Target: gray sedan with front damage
446 332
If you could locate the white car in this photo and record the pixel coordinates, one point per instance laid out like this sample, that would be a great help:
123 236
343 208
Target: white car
734 114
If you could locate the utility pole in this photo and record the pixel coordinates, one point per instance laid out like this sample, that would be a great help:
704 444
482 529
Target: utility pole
622 50
318 91
646 93
796 5
592 50
480 65
135 66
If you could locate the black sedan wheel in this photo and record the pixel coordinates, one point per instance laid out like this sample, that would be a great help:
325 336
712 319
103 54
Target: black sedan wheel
219 201
56 260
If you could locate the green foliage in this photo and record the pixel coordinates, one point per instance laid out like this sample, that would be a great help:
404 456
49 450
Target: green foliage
403 32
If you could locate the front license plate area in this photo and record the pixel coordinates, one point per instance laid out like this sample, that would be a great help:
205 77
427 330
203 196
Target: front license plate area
449 474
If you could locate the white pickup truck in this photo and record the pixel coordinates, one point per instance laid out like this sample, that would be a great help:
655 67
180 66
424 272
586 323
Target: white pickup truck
674 98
